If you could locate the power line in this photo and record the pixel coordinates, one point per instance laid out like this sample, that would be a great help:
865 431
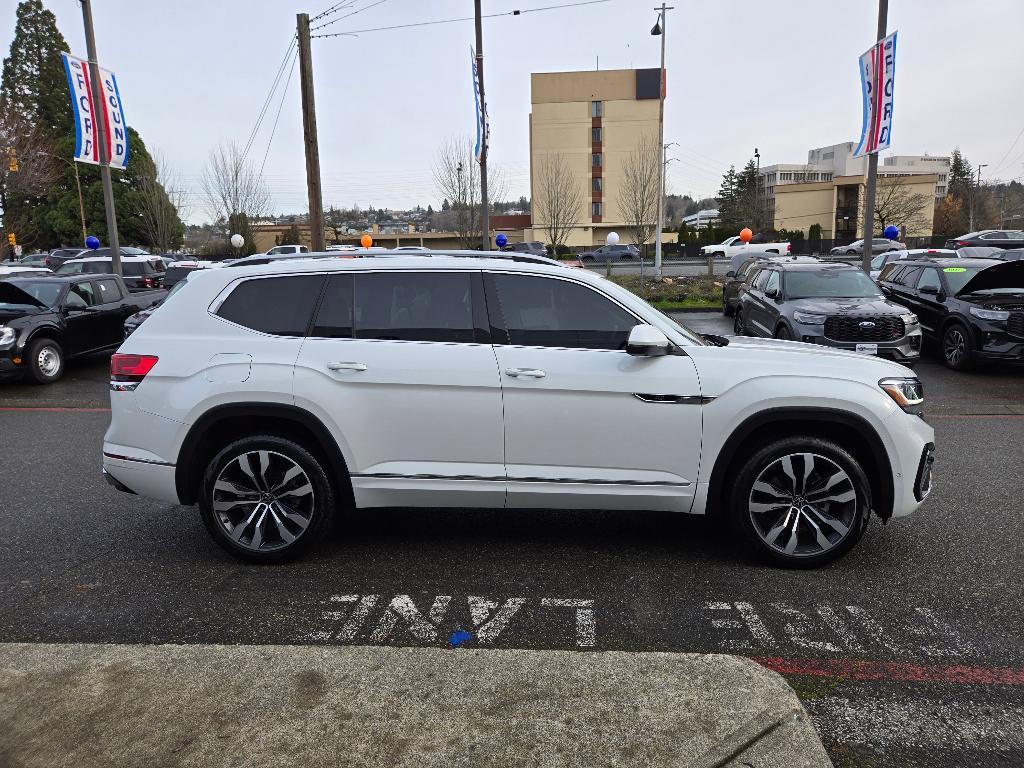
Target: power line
270 96
517 12
340 6
1000 164
277 117
347 15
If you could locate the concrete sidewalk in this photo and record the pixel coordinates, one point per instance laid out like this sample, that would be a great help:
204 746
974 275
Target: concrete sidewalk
212 705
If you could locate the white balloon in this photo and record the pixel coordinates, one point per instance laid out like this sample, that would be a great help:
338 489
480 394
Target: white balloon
613 238
237 241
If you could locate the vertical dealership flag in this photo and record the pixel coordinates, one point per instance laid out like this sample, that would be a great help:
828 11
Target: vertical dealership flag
483 128
87 113
878 81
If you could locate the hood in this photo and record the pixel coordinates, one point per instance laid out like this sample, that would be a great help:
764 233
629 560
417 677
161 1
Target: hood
800 355
12 294
827 306
1007 275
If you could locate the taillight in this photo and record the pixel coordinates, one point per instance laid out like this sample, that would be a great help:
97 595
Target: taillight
789 248
148 282
961 242
131 368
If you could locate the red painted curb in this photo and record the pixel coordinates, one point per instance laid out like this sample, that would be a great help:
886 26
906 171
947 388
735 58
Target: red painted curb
894 671
55 409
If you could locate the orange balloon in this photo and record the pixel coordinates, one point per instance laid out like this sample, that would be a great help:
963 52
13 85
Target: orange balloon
746 234
366 241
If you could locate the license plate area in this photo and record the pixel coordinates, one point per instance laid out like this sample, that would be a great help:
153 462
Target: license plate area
867 349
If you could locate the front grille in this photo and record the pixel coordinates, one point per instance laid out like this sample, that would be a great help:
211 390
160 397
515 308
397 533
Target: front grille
862 328
1015 324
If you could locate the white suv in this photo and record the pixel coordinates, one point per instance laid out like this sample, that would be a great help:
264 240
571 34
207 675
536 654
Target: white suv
276 397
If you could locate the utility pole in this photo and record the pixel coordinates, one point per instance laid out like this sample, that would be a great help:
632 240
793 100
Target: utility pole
869 197
313 189
101 128
485 216
660 27
974 193
757 187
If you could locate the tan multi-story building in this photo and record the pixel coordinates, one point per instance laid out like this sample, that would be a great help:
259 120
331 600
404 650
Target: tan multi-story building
594 121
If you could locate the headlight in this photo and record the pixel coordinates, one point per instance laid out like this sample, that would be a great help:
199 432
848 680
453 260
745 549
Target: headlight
908 394
808 319
7 335
909 319
990 314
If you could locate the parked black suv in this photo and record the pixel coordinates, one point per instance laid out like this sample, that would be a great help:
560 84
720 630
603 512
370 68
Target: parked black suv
973 307
834 305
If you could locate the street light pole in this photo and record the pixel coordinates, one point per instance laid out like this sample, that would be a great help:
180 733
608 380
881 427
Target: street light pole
101 128
974 194
659 29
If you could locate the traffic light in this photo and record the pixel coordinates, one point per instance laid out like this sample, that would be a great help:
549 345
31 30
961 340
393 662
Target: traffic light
12 240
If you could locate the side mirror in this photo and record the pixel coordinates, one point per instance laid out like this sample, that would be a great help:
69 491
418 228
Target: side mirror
646 341
730 273
772 293
932 289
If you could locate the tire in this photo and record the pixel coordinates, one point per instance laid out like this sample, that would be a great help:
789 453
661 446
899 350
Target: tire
739 327
782 333
770 487
718 255
274 517
45 361
957 347
586 258
726 309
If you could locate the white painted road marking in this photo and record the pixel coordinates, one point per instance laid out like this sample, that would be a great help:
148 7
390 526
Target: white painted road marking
830 629
586 626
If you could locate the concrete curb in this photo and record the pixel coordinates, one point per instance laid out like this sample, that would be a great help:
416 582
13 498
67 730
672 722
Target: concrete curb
211 705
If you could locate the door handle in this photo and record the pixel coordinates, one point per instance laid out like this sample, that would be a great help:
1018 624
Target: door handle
526 373
333 366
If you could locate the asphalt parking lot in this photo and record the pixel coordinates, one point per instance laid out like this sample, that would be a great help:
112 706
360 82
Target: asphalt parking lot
909 651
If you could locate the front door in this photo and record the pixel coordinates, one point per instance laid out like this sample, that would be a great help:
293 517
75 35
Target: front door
588 425
83 319
400 365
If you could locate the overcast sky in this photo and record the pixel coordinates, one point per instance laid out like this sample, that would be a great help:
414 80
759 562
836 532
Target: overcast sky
780 75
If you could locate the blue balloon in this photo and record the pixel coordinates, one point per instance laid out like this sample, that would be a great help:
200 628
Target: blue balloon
92 242
501 241
891 232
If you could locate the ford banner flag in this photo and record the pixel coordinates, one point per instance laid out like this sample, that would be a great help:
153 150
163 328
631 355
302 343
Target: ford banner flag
877 79
86 114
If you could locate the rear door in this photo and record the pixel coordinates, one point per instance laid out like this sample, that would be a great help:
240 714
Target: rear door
756 313
586 424
399 364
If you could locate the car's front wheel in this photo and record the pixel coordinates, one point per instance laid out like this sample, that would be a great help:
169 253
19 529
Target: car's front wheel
957 348
800 501
739 326
782 332
266 499
45 361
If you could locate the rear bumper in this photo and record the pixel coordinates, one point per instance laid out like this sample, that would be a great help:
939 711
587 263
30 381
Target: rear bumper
140 476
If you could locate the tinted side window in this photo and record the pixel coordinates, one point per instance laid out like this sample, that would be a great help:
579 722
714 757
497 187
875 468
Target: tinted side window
760 280
334 318
773 281
101 268
109 290
281 306
931 278
83 291
546 312
413 306
908 276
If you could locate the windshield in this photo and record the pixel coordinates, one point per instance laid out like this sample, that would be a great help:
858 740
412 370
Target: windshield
957 277
878 262
830 283
44 292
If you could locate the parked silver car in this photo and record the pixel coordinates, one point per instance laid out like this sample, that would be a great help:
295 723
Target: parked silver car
878 245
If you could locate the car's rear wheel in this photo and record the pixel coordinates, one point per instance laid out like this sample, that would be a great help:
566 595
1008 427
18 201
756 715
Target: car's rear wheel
800 501
957 347
266 499
739 325
45 361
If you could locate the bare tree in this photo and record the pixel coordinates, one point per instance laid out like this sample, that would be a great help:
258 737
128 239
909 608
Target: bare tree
896 203
559 201
235 192
161 203
457 178
638 192
28 170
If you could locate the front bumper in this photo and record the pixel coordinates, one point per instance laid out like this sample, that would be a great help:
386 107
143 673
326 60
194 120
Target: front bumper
903 350
911 458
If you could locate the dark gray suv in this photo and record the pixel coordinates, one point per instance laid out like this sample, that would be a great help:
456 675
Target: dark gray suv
835 305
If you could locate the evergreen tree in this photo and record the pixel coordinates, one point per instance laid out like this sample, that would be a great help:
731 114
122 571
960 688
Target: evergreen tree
728 214
34 92
34 87
961 177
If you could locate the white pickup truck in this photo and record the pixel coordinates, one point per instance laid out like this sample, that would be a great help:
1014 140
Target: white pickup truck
733 246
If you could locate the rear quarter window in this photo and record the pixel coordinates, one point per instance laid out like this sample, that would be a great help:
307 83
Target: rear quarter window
280 306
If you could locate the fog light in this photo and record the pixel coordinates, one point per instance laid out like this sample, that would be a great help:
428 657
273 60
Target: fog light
915 342
17 361
808 339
